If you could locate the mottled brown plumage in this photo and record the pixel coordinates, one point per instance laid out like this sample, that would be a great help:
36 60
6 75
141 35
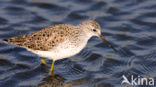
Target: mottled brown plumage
44 39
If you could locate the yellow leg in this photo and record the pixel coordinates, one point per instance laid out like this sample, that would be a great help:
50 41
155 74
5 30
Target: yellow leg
43 61
51 69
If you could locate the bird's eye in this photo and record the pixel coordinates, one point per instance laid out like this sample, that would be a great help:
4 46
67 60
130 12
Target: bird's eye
94 30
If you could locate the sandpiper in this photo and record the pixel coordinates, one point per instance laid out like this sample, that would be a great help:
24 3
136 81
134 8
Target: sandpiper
59 41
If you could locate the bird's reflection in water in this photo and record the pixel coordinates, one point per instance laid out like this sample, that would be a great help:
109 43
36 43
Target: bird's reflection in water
58 81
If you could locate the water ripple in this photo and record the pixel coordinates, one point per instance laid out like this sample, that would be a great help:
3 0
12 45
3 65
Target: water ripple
128 25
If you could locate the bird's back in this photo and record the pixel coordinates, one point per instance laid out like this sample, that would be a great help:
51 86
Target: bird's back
44 39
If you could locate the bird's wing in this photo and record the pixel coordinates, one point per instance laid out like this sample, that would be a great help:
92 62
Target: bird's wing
44 39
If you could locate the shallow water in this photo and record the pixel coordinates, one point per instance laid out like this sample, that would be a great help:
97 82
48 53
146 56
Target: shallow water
130 25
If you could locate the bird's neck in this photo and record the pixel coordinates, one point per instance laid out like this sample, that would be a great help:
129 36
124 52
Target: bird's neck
84 36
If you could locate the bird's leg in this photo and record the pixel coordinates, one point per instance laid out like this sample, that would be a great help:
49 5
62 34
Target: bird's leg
51 69
43 61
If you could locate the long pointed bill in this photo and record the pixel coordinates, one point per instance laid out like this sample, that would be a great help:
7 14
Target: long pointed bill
107 42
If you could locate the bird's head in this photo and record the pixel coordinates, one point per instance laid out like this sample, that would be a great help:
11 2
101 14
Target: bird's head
92 28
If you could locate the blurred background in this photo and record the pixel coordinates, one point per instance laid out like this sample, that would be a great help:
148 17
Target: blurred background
130 25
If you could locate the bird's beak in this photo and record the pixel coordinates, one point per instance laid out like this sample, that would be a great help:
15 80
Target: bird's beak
100 36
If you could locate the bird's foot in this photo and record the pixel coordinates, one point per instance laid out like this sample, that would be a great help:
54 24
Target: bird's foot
52 74
43 61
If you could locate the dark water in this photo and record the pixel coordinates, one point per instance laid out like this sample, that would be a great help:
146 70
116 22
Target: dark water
130 25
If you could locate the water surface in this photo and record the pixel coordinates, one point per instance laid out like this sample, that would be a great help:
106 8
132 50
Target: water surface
130 25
